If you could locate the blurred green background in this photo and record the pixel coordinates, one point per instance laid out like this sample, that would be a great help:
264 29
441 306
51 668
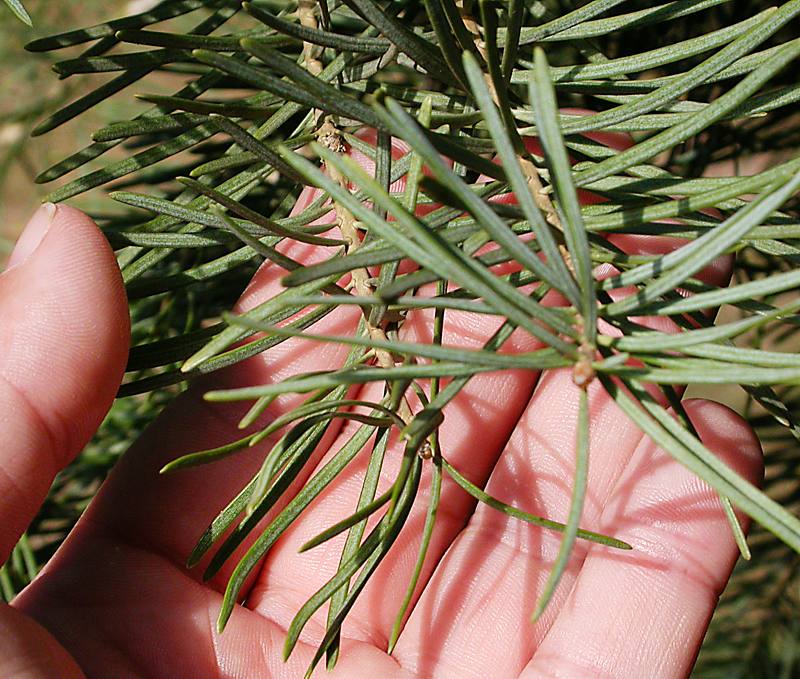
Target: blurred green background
29 90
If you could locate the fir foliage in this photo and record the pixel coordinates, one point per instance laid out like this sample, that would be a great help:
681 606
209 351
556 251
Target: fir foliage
19 11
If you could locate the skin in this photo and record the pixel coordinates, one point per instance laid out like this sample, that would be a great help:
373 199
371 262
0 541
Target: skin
116 600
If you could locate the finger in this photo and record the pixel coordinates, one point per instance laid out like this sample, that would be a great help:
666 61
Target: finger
474 431
534 473
717 273
28 652
63 345
192 498
133 613
171 512
130 555
476 426
64 333
126 557
494 573
645 614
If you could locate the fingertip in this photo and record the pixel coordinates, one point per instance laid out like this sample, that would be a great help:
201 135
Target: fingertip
727 434
32 235
64 339
85 278
65 332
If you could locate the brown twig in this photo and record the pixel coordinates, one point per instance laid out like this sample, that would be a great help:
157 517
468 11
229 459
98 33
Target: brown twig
328 135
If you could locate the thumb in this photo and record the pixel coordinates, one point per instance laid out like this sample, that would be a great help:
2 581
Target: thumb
64 333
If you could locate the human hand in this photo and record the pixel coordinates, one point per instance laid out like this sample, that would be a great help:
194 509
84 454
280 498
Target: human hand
119 600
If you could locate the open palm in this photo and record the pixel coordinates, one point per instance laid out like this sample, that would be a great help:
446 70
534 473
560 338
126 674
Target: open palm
117 601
